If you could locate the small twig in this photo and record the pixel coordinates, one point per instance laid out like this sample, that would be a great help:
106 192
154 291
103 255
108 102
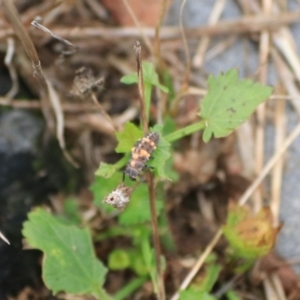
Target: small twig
186 49
36 24
55 101
11 68
144 121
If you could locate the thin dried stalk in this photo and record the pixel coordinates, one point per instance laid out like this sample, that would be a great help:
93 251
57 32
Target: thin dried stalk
287 78
268 167
11 68
269 290
276 180
249 24
144 120
204 42
276 282
261 110
55 101
186 49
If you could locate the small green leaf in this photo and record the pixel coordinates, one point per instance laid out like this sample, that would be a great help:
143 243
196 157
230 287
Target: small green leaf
191 294
129 79
118 259
69 264
229 103
160 156
138 210
105 170
150 77
128 137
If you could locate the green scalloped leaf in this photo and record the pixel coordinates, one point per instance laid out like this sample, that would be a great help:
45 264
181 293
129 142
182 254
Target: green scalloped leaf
229 103
69 263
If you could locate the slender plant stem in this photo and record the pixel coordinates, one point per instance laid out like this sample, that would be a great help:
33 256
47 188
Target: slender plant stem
154 224
130 288
144 120
180 133
156 242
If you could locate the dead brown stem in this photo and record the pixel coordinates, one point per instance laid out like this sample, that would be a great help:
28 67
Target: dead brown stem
144 121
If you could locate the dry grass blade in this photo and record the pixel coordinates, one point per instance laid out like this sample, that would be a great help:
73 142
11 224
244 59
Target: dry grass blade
287 78
204 42
144 121
186 49
275 280
11 68
269 290
277 173
4 238
287 142
55 101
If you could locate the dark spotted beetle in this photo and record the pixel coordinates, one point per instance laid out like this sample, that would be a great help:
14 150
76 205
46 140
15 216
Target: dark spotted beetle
140 154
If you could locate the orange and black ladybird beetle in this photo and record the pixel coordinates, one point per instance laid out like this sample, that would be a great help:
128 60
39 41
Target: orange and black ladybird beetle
140 154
